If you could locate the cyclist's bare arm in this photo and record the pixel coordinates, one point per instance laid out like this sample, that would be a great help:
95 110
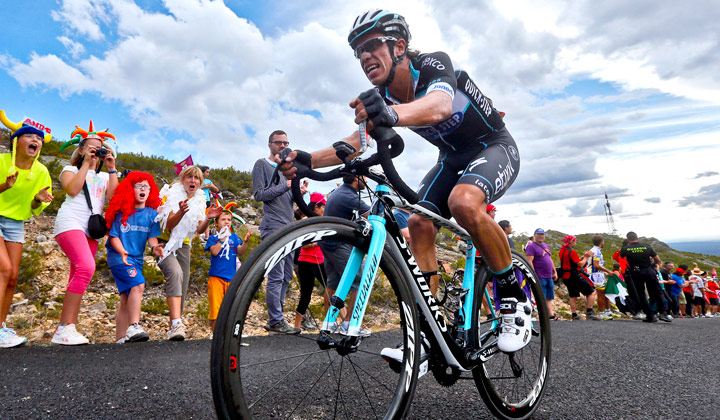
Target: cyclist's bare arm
428 110
320 159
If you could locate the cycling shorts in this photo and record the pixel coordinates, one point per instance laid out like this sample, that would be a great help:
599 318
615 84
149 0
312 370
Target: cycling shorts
491 165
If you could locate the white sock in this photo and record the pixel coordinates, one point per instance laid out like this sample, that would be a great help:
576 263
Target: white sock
176 321
346 324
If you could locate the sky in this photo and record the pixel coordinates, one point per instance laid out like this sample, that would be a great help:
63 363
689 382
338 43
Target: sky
601 97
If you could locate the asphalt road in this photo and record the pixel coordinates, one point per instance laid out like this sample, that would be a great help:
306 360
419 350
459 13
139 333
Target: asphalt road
617 369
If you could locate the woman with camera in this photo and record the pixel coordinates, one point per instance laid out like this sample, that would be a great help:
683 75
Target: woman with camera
76 227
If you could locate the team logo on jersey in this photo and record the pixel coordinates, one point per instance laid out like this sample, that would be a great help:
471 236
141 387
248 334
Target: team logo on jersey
132 272
433 62
475 163
514 153
124 228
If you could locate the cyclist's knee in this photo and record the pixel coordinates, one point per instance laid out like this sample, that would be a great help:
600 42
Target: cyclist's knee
465 200
421 227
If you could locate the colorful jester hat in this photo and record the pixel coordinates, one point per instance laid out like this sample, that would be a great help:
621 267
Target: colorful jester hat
18 129
79 135
228 208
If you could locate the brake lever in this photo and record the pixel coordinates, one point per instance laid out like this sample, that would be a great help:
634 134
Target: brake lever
276 175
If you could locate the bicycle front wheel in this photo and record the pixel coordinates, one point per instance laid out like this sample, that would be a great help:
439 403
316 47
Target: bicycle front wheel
512 385
258 375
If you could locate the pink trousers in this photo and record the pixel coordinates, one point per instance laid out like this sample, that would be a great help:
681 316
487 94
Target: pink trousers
81 251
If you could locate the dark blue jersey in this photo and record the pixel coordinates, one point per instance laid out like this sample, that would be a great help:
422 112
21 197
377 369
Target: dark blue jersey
473 117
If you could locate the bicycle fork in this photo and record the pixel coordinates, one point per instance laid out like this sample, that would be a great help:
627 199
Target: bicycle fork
367 279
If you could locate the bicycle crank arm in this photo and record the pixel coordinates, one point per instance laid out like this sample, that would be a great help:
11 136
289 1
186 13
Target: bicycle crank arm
484 354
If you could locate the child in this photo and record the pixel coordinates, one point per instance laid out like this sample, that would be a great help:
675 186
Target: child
24 192
224 246
131 220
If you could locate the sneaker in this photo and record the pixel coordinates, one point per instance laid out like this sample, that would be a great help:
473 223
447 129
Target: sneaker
122 340
308 323
396 354
651 318
136 334
575 317
282 327
594 317
177 333
9 339
665 318
639 316
340 329
68 336
516 326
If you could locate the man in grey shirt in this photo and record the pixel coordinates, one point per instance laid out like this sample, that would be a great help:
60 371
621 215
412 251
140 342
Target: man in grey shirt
277 213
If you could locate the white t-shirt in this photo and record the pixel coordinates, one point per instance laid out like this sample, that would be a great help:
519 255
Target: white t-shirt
696 286
74 212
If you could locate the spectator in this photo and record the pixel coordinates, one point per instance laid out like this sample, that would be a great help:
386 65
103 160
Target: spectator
224 246
640 259
131 222
575 279
182 215
712 295
344 202
310 267
83 182
277 213
597 276
667 282
677 298
25 192
491 210
207 186
698 285
505 225
539 256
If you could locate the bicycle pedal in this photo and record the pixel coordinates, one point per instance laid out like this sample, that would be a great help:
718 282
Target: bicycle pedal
424 368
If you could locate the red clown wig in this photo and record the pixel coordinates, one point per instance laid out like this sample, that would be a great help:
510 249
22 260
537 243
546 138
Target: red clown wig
123 201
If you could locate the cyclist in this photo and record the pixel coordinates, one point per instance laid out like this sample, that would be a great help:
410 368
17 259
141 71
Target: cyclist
478 157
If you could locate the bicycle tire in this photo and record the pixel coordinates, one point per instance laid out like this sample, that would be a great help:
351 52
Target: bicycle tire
319 388
506 395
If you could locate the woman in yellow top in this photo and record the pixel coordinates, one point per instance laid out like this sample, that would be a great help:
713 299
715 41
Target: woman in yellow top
24 192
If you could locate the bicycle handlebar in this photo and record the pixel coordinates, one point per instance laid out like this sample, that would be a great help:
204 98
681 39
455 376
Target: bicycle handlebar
390 145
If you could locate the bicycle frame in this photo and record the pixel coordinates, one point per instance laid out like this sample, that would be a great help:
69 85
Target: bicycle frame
454 348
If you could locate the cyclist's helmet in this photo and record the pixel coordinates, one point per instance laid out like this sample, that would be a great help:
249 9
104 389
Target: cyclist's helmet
381 21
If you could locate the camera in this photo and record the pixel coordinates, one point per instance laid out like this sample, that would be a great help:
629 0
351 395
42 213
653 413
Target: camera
101 152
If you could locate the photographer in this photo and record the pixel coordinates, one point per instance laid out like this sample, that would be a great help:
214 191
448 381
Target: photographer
71 225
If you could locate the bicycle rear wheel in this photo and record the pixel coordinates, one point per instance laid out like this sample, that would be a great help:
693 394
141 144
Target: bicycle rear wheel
512 385
258 376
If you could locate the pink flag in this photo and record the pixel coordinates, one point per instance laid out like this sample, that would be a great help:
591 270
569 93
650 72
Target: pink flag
183 164
714 274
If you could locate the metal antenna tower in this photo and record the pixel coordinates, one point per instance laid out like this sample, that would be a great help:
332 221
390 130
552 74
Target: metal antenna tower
609 217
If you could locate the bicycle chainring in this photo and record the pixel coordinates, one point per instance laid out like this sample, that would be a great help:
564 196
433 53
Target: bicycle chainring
444 374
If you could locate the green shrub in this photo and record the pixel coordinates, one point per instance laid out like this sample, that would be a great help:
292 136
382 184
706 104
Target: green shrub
155 306
153 276
112 301
203 309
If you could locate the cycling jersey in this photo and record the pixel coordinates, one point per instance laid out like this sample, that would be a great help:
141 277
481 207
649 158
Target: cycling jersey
473 117
475 148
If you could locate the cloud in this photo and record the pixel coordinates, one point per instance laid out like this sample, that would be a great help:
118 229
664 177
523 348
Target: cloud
530 212
706 174
74 48
708 196
584 207
653 200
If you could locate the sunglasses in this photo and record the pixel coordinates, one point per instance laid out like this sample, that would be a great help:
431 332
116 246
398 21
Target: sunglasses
141 187
280 143
371 45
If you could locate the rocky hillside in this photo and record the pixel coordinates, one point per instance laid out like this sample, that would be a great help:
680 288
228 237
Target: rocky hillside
44 269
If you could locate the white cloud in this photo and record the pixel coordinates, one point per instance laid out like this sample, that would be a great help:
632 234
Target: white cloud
74 48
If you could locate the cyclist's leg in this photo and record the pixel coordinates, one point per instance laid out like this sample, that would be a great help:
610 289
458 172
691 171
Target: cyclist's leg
434 191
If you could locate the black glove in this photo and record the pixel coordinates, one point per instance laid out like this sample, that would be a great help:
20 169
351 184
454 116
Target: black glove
379 113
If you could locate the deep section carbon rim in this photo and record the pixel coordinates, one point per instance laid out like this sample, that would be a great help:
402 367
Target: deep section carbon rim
259 375
512 385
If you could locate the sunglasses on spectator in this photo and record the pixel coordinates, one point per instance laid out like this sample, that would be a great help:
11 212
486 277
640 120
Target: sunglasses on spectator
141 187
280 143
371 45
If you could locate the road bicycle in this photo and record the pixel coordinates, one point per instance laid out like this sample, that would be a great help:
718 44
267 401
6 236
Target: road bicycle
341 373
